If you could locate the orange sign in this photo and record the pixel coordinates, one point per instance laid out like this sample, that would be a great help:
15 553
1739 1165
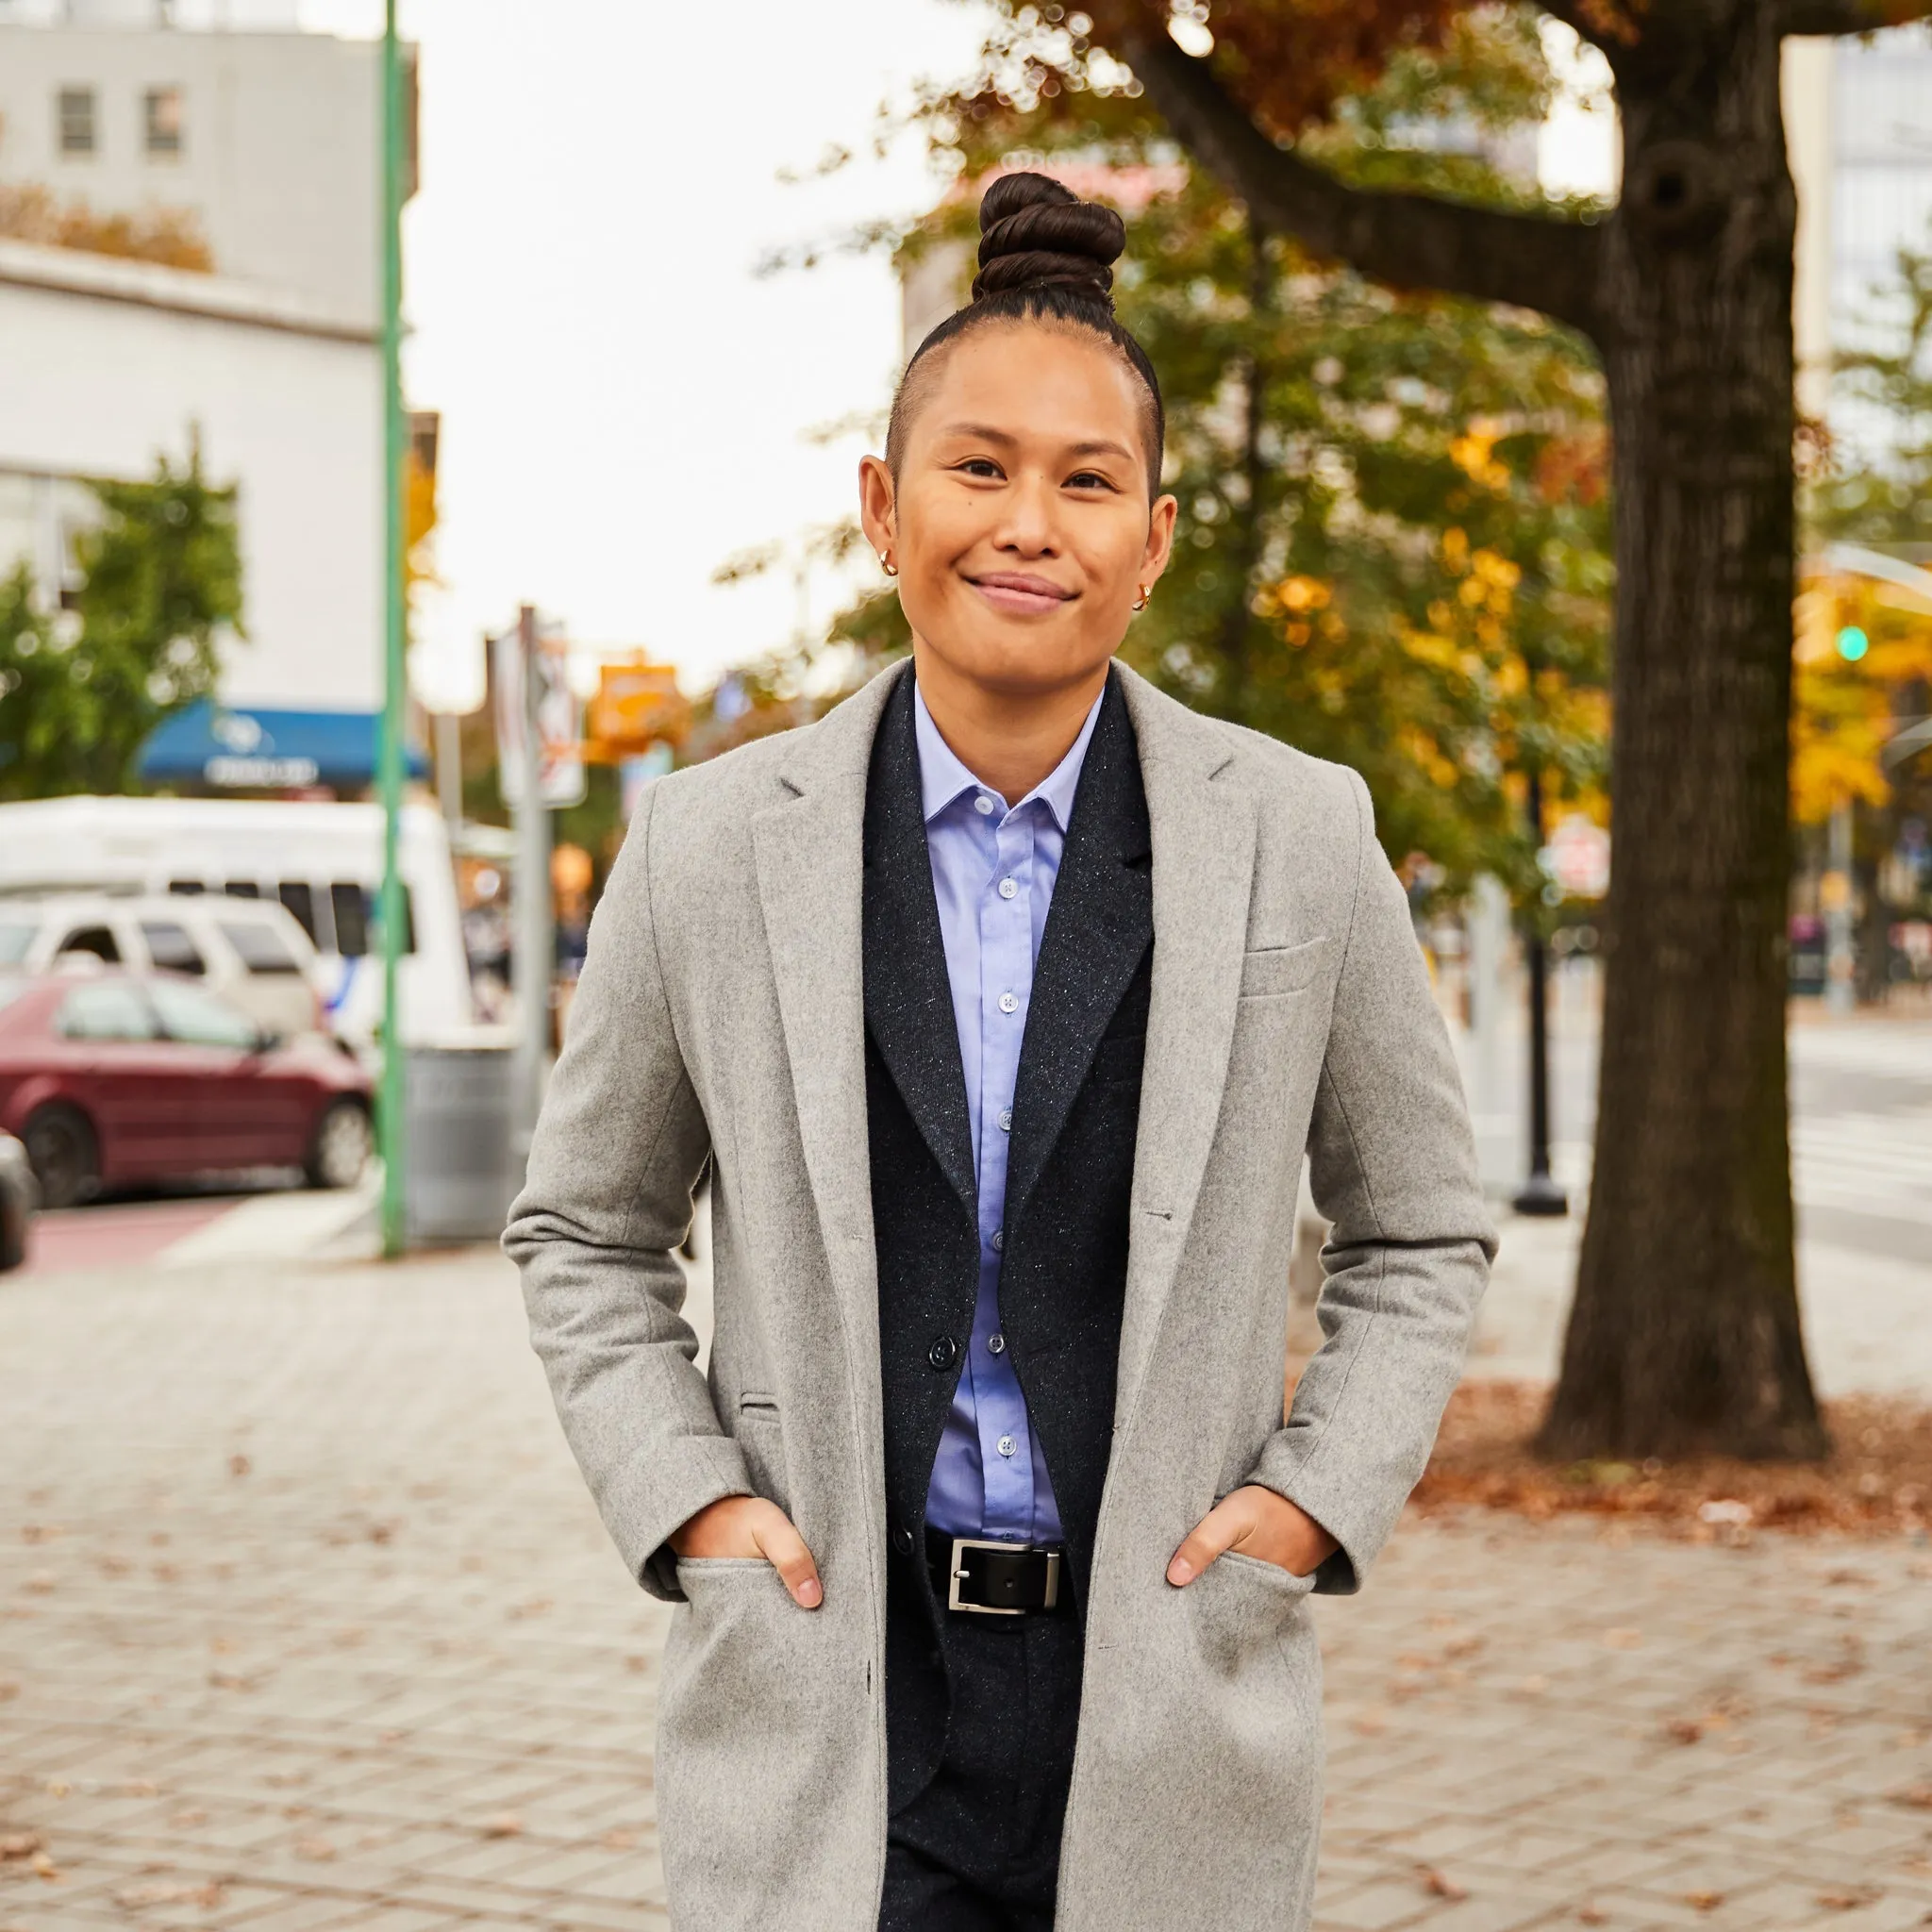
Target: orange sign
637 703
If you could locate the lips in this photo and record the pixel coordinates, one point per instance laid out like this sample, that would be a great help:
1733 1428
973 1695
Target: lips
1021 594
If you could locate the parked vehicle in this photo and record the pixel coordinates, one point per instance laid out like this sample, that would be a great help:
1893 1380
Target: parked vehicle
320 861
250 952
111 1078
20 1195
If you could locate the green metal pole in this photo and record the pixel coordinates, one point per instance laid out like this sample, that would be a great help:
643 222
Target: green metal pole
395 674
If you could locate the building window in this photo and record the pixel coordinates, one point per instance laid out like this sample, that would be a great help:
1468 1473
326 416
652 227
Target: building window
161 120
75 117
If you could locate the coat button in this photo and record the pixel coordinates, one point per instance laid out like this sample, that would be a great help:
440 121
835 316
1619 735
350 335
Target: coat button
901 1541
943 1353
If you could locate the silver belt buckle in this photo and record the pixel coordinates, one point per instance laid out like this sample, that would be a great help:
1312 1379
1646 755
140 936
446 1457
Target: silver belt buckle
956 1572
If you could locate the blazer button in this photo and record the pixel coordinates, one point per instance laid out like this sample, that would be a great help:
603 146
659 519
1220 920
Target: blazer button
901 1541
943 1353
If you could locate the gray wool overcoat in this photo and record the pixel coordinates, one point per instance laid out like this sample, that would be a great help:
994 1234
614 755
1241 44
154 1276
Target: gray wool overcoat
721 1013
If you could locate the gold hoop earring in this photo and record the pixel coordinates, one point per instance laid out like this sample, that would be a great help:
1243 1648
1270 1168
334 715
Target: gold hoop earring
886 564
1146 593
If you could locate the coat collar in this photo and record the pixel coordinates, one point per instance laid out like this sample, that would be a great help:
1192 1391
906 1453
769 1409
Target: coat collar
1202 815
809 852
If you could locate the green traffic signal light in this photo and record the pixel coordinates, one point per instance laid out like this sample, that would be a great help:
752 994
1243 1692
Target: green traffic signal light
1853 643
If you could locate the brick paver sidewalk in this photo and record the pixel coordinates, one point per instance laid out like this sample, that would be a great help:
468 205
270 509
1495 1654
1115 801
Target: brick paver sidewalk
306 1622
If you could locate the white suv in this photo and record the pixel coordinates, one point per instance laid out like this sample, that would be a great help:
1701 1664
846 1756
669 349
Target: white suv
251 951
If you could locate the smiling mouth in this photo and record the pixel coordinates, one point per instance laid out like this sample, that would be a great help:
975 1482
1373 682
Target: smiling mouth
1023 596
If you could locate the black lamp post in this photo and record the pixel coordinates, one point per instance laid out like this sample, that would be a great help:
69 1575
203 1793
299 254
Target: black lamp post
1540 1193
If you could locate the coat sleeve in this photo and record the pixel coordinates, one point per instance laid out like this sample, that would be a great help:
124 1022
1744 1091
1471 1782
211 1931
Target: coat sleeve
1392 1165
608 1200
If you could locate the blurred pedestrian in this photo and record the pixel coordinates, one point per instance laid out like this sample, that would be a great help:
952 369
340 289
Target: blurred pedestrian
1007 1000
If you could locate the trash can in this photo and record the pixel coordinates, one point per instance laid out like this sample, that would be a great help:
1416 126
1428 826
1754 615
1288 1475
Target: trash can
460 1175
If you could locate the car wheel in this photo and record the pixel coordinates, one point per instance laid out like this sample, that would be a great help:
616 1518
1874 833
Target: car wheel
342 1145
61 1152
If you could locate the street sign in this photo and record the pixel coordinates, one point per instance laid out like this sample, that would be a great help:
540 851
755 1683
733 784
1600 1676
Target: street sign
560 754
1577 858
638 704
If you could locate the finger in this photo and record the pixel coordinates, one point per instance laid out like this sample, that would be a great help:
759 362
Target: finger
782 1547
1222 1528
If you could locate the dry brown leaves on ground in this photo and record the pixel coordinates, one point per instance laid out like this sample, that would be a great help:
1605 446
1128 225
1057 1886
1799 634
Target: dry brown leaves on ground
1877 1482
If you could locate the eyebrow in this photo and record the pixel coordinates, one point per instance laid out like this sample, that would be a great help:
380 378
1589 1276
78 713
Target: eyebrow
985 432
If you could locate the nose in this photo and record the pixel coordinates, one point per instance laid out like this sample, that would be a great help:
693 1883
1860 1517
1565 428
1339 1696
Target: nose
1028 524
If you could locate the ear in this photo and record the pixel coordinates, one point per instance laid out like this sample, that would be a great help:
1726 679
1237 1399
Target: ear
877 508
1160 522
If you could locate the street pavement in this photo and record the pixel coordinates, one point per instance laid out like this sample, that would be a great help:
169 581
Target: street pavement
307 1622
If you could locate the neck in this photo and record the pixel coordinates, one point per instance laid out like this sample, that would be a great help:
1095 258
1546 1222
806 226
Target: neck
1009 741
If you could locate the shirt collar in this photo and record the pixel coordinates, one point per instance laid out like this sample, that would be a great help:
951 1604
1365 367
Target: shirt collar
944 779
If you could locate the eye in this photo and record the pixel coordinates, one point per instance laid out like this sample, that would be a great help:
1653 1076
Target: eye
1089 479
982 467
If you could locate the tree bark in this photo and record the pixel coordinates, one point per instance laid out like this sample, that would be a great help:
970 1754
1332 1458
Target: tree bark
1684 1335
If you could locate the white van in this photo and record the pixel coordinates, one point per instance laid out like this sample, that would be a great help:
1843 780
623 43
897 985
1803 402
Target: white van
320 861
250 951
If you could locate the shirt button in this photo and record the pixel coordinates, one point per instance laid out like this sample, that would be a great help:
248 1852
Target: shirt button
1007 888
1009 1002
999 1240
943 1353
1007 1446
983 805
996 1344
1006 1120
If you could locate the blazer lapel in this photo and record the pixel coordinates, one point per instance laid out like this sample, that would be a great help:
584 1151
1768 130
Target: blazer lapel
909 996
1099 926
809 856
1202 827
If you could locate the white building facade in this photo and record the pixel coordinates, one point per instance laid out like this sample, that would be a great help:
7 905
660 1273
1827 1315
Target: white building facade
269 142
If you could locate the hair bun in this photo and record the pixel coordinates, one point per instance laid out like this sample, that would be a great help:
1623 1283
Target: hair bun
1033 233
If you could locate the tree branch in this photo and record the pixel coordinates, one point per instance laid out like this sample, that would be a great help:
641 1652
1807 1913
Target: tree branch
1848 16
1405 241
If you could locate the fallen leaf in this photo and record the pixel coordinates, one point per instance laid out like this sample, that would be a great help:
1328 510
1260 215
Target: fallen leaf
1438 1885
1850 1898
20 1844
1684 1730
1704 1901
505 1825
239 1465
44 1867
40 1582
317 1849
1592 1915
1914 1797
620 1839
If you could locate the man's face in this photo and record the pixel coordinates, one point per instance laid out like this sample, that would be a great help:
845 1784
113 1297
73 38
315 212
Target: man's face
1021 522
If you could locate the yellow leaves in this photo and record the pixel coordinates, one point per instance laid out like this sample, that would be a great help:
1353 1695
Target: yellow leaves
1426 756
1456 548
1471 454
1302 594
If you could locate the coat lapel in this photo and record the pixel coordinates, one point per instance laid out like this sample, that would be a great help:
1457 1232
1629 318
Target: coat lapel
1203 826
909 996
809 855
1097 930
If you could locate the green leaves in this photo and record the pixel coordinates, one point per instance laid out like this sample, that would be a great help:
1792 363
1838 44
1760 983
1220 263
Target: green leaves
82 687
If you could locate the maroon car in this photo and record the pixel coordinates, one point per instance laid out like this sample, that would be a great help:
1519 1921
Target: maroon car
114 1078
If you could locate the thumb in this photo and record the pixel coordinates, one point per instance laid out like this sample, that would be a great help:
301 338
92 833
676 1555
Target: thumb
781 1547
1222 1528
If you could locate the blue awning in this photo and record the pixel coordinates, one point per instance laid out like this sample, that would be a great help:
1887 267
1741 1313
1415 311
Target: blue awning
235 748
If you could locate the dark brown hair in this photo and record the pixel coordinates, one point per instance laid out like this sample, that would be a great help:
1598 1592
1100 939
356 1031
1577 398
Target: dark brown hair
1044 256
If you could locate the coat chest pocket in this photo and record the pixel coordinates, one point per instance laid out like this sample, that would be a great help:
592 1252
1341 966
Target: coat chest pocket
1268 972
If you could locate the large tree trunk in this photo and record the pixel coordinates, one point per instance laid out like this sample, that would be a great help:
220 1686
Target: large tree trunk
1685 1331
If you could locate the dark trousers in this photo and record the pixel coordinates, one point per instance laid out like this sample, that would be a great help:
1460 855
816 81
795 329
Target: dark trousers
977 1849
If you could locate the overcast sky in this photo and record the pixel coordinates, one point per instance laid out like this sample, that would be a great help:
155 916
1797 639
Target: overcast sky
623 400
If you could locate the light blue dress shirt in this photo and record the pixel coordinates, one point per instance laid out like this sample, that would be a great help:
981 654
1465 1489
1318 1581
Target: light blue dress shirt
993 869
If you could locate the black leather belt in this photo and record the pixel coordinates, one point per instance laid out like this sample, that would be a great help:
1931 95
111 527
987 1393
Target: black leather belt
994 1579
